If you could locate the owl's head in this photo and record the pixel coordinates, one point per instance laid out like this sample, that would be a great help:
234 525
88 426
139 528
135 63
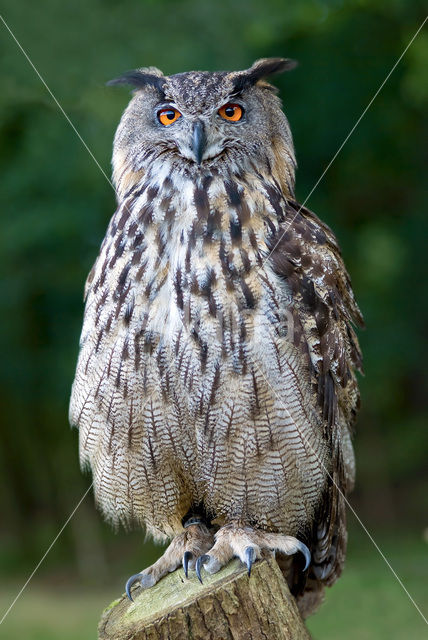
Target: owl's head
198 122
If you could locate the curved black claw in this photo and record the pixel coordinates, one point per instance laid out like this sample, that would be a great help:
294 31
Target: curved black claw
199 562
250 556
304 549
186 558
129 584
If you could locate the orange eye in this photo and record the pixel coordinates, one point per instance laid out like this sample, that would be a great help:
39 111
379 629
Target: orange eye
231 112
168 116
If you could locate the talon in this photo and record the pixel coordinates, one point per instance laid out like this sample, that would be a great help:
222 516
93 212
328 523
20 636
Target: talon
250 556
132 580
304 549
192 520
186 557
199 563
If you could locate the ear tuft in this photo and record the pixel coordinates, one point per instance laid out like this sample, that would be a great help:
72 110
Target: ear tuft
269 66
140 78
261 69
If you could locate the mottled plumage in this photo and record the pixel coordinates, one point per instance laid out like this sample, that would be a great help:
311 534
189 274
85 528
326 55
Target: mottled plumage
216 371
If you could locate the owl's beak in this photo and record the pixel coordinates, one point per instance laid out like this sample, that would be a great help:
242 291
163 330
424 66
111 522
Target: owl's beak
199 141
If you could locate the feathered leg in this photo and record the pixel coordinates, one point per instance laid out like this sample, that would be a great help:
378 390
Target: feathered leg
185 548
247 544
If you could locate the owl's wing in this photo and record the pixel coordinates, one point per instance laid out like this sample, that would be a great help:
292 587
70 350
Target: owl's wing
305 254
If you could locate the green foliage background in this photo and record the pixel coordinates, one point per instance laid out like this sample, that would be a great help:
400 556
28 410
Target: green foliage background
55 204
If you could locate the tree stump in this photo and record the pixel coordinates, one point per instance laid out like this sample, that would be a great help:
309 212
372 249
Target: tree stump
227 606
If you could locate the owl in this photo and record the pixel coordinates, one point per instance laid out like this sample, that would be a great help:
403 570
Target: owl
215 389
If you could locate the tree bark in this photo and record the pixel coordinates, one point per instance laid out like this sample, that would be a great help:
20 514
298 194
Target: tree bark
228 606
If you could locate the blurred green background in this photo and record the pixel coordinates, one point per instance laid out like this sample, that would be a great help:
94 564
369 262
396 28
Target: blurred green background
55 205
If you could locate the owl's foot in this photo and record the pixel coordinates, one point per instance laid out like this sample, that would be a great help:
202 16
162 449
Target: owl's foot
195 540
247 544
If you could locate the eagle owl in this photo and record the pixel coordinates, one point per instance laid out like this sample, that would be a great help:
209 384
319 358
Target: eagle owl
215 389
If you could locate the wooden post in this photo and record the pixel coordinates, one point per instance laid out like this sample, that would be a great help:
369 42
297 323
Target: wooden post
227 606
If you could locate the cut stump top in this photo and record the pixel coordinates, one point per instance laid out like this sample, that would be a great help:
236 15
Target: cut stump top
227 606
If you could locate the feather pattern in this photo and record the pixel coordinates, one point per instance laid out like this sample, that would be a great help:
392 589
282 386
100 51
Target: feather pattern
218 355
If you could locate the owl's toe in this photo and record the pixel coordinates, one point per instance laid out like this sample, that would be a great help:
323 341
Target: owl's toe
212 565
209 563
248 545
187 557
199 538
199 564
250 556
194 541
300 546
130 583
145 579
